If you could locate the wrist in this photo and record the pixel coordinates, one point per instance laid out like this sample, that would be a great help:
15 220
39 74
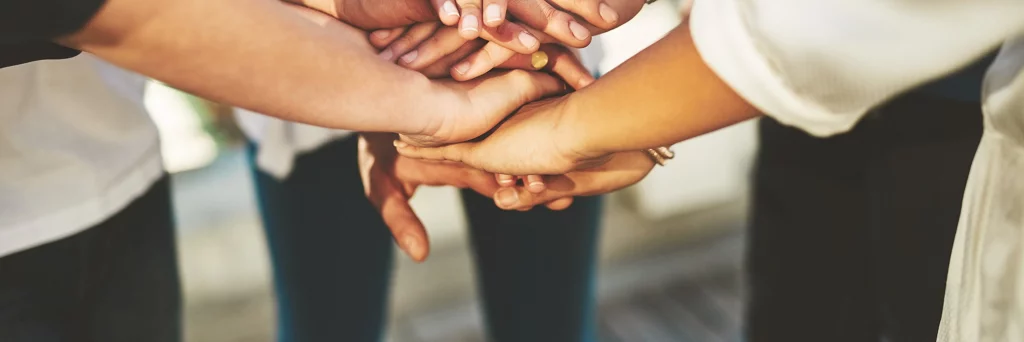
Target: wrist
572 136
431 102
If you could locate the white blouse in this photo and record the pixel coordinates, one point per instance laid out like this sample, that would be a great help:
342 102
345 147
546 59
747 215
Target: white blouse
820 65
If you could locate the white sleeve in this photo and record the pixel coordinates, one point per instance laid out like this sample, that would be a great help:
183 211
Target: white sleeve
820 65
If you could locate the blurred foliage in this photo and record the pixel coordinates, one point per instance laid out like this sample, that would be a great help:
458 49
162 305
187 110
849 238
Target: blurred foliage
218 121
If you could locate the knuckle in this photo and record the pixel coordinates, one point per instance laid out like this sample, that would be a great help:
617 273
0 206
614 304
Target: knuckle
550 13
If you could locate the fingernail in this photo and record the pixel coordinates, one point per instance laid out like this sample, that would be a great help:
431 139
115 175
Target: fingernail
471 23
578 30
527 39
382 34
386 54
537 186
506 180
585 82
462 68
400 144
507 198
410 57
409 244
449 9
608 14
493 13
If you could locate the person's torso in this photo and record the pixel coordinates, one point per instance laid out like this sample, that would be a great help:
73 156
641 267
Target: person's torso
76 146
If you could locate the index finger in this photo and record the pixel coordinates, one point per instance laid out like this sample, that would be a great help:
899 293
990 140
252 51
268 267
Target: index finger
557 60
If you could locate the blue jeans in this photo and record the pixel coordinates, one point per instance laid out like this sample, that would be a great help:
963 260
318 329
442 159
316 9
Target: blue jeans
332 257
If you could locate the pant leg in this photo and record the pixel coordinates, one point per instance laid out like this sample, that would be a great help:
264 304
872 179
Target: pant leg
132 275
536 269
808 265
330 250
918 177
115 282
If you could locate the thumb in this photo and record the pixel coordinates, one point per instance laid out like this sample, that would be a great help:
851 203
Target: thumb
405 226
456 152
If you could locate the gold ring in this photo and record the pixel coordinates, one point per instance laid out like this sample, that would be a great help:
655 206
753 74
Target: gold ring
539 60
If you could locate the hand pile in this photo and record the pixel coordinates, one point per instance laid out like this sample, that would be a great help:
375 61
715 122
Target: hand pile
458 44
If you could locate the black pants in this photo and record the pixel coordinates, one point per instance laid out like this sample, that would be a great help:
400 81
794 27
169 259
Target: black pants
851 235
115 282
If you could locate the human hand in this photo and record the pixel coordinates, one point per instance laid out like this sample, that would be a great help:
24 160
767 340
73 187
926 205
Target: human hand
474 107
621 170
554 18
439 51
530 142
540 14
390 180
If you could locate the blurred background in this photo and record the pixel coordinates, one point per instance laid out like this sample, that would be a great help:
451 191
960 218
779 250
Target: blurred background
671 247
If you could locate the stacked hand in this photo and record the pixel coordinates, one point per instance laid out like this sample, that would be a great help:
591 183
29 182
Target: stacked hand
474 99
531 142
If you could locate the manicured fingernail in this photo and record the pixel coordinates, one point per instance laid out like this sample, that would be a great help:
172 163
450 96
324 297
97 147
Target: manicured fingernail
507 197
527 39
400 144
462 68
607 13
493 13
386 54
471 23
382 34
506 180
578 30
537 186
449 9
410 57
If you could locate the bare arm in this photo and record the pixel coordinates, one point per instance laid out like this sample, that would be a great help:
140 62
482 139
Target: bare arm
298 65
260 55
678 95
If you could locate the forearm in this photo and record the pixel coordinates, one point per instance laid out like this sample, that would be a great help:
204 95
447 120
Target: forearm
661 96
260 55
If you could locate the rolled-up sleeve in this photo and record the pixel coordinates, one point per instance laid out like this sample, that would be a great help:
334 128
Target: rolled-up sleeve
820 65
27 27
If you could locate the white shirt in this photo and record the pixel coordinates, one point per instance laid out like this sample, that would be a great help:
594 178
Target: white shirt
820 65
76 146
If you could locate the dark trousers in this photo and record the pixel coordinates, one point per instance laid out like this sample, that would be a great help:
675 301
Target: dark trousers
332 258
851 234
115 282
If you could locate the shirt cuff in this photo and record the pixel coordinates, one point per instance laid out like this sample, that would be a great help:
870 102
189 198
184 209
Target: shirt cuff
722 39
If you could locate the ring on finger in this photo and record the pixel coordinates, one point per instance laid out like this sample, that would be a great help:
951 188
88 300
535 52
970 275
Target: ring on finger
539 60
